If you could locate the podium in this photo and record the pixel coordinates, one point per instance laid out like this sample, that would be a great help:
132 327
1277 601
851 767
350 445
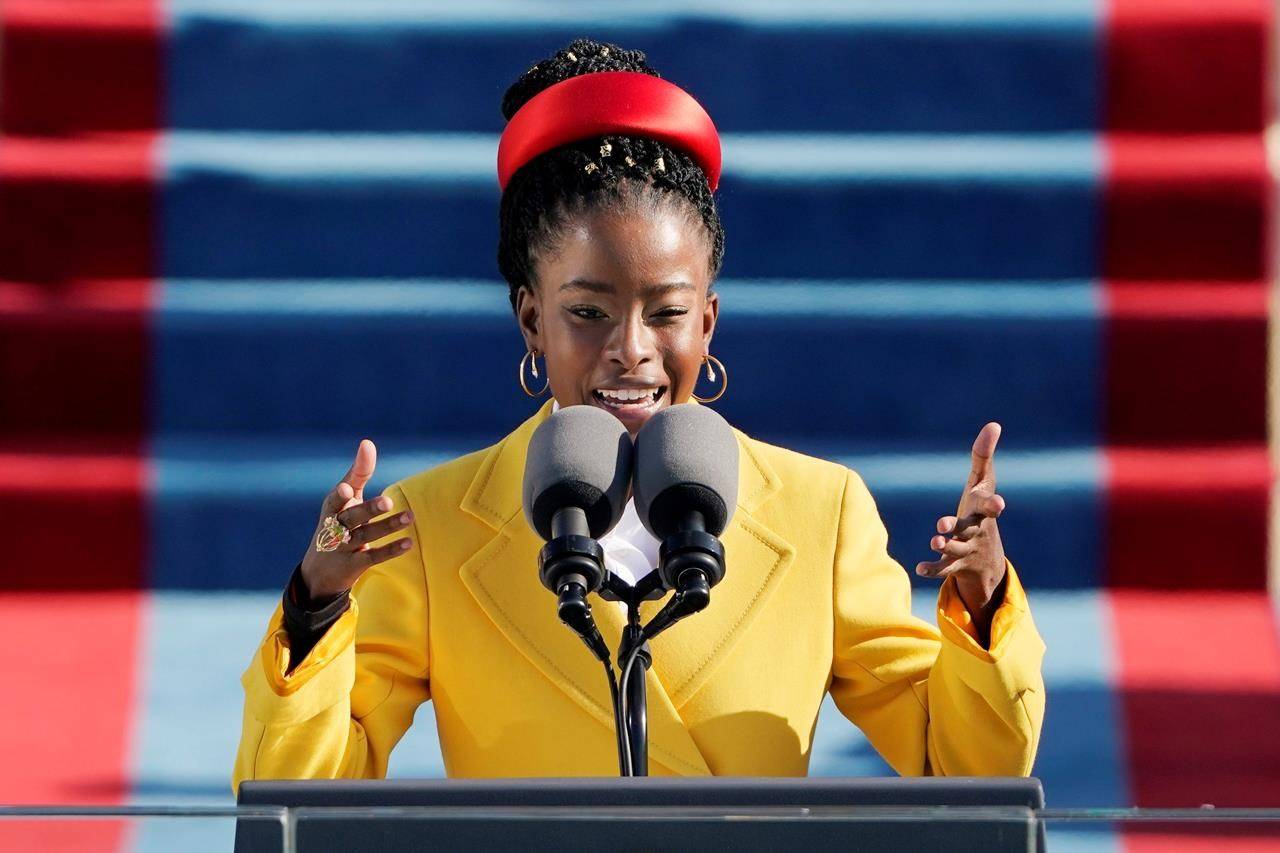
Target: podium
654 813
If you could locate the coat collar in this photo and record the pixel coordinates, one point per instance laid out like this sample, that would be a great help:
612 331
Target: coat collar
502 576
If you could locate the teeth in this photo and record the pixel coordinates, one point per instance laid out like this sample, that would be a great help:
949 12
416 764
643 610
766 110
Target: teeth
628 394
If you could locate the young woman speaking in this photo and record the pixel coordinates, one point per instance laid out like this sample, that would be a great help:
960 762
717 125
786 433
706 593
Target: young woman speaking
610 241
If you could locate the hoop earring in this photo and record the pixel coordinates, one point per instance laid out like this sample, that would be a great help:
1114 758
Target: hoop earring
520 373
711 376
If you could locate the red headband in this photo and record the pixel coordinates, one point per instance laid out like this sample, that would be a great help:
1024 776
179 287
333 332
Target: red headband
623 103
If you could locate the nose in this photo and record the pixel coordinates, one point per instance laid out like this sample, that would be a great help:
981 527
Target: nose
632 343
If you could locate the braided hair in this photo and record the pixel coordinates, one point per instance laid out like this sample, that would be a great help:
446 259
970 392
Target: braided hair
600 172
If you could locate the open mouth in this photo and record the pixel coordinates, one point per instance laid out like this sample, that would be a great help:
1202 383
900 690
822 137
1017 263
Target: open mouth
627 402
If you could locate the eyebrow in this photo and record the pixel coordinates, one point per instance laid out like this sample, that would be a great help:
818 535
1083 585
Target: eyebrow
605 287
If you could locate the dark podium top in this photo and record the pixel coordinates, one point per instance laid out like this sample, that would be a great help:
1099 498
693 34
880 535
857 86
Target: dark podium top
650 813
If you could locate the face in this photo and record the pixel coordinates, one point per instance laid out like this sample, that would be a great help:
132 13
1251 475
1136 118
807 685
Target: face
621 304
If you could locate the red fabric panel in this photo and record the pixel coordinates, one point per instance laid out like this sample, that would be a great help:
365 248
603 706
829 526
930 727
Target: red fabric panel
1191 518
1207 838
84 514
76 209
1200 695
1186 66
80 355
77 65
1186 362
69 663
1186 208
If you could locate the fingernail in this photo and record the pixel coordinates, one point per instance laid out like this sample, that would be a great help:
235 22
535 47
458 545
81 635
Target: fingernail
404 518
384 503
404 546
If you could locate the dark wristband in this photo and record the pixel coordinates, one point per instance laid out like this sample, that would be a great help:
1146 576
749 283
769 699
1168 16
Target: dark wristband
307 619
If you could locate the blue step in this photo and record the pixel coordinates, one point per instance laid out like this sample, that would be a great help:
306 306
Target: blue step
825 206
269 493
980 65
905 365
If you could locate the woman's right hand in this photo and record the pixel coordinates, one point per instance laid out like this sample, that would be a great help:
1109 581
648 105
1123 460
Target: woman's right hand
327 573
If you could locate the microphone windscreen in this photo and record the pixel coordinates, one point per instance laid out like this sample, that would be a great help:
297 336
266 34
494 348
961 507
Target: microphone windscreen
580 456
686 459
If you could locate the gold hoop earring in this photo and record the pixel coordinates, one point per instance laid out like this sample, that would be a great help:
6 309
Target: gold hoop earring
523 359
711 376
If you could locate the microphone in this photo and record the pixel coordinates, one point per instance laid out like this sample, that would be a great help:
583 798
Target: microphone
577 470
685 487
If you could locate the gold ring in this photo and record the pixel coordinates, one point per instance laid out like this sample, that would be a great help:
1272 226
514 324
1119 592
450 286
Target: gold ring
332 534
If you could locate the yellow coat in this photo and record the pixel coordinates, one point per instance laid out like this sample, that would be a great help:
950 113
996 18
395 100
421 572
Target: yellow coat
811 602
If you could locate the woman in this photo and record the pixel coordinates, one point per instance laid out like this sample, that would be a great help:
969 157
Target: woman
610 244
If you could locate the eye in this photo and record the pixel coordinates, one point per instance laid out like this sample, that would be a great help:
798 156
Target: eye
672 312
586 312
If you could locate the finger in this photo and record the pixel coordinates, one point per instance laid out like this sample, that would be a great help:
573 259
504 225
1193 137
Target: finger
946 524
952 547
991 506
337 499
982 455
937 568
984 502
362 468
373 556
981 501
969 526
354 516
375 530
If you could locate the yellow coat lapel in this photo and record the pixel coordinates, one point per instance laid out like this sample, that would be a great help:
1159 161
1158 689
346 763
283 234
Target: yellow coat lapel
502 576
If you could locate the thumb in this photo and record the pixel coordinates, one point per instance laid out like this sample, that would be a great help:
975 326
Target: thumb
982 468
361 468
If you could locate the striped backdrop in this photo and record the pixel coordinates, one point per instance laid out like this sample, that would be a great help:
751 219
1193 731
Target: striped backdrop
236 236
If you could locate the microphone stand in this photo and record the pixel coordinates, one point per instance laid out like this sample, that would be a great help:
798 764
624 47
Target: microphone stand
691 562
630 714
635 703
572 564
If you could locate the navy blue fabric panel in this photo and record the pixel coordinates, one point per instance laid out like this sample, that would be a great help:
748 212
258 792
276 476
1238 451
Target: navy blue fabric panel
910 377
269 491
989 229
1033 517
994 73
229 225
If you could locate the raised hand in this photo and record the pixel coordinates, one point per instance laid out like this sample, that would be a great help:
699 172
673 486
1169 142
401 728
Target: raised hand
969 541
327 573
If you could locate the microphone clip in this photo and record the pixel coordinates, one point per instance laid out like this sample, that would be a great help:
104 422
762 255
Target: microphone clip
572 566
690 562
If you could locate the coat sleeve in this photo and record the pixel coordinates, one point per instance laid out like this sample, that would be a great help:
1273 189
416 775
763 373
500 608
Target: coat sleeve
340 712
930 700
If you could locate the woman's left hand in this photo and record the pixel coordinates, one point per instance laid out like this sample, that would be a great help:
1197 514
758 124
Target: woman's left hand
973 552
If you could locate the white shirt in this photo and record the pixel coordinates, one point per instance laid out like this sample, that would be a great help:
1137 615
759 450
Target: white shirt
630 551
